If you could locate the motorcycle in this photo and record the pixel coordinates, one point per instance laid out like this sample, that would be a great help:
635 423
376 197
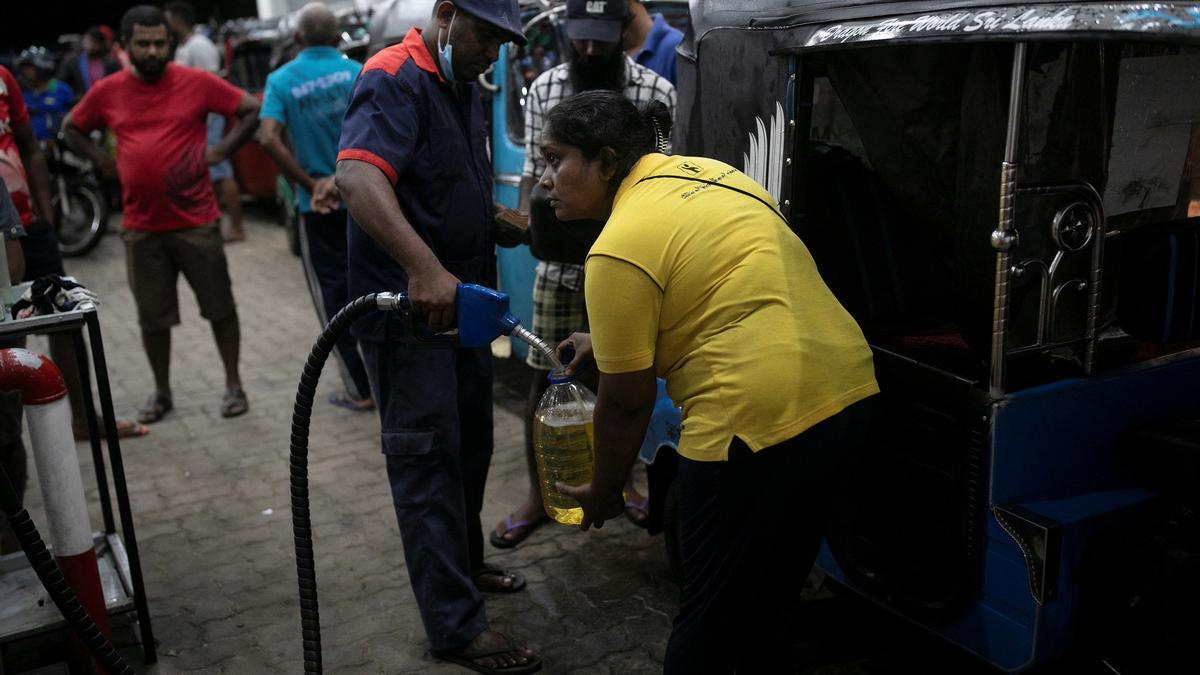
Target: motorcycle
80 206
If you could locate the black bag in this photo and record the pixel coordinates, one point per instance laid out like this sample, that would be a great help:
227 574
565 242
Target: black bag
554 240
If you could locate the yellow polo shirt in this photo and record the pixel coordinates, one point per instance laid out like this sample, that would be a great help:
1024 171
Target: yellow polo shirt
711 288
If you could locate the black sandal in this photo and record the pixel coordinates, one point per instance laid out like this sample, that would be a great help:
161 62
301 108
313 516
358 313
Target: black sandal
155 408
516 580
233 403
467 657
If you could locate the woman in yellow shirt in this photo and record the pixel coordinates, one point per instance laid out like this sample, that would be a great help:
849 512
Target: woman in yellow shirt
697 278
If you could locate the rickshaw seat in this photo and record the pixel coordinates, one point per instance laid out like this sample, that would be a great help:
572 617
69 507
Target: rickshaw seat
1159 292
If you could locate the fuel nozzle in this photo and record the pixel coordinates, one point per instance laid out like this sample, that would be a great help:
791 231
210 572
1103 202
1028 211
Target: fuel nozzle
483 315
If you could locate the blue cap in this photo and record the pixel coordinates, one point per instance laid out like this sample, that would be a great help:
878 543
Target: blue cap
503 14
599 20
559 377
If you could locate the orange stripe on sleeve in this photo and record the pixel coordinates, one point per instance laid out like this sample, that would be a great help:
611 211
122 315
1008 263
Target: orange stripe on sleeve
372 159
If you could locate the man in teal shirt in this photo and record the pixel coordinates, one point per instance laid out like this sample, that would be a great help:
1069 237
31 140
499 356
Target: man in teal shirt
306 99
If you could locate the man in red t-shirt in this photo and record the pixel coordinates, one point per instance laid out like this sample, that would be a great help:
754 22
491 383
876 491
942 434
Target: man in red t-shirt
157 109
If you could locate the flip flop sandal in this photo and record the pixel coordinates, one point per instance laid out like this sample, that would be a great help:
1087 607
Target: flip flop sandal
641 507
517 580
343 400
233 403
467 658
155 408
520 529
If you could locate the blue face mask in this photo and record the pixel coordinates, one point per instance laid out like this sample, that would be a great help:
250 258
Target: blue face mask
446 53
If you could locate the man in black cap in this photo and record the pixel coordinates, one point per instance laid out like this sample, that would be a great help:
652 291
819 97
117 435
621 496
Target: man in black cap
596 60
414 173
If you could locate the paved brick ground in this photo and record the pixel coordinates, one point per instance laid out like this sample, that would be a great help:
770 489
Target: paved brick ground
210 498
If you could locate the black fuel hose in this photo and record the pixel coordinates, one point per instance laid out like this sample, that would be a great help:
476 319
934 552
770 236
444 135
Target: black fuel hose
55 584
310 622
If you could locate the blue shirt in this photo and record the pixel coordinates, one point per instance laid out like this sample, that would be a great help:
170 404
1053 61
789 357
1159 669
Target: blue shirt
309 95
658 52
427 136
48 107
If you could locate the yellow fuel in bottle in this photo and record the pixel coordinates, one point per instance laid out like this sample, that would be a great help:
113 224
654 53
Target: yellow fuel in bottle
564 444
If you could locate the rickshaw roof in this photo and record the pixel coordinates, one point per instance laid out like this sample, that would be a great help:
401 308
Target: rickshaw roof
707 15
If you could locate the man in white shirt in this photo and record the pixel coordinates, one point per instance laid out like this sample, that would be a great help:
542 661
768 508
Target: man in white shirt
195 50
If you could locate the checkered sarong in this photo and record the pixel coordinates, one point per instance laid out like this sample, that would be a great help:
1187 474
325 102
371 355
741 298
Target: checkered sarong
558 311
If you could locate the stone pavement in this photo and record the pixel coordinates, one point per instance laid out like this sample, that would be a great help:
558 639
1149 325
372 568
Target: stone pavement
211 504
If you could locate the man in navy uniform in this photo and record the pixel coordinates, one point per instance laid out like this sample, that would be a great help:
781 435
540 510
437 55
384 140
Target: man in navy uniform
414 173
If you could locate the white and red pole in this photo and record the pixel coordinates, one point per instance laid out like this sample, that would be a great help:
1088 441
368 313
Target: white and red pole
44 395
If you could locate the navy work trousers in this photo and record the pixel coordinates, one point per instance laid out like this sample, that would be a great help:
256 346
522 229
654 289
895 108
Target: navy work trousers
323 251
751 529
435 409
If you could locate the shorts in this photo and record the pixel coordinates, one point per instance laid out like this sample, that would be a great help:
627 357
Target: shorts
216 129
153 261
40 247
558 311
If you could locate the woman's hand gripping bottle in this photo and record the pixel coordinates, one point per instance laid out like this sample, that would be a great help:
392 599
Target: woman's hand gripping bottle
564 443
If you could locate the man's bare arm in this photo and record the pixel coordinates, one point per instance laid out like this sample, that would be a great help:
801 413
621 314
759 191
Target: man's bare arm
243 130
79 142
270 136
36 170
527 183
368 195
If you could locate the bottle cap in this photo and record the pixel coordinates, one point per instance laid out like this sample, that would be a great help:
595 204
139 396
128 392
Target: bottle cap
558 376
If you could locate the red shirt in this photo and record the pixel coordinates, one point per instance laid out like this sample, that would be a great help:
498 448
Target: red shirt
160 130
12 114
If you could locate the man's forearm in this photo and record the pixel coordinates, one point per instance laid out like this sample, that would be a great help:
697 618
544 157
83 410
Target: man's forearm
36 171
38 174
287 162
527 183
369 197
79 142
241 132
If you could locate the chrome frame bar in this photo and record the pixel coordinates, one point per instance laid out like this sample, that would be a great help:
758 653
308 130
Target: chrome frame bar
1004 237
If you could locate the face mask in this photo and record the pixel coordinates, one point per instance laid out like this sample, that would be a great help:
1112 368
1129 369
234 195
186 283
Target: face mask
446 54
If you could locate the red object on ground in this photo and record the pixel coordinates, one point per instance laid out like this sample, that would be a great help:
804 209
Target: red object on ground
43 394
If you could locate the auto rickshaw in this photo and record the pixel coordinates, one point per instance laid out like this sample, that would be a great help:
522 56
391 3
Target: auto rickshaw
1005 196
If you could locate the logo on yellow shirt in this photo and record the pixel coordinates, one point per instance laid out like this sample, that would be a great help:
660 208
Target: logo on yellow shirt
691 168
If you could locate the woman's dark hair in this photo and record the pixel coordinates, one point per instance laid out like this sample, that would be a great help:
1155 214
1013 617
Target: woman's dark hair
141 15
593 120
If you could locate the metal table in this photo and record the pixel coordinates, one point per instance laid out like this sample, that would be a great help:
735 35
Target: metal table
120 564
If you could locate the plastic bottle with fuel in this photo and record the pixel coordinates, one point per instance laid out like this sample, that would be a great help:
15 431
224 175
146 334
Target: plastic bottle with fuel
564 442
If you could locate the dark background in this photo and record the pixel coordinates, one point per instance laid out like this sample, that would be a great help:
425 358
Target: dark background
40 22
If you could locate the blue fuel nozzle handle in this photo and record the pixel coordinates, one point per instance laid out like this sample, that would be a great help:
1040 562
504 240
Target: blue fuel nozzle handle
482 315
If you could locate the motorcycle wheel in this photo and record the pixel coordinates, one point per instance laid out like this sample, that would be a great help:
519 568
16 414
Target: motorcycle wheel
81 227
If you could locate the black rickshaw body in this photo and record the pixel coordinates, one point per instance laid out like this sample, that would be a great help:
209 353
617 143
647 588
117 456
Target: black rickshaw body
1004 196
